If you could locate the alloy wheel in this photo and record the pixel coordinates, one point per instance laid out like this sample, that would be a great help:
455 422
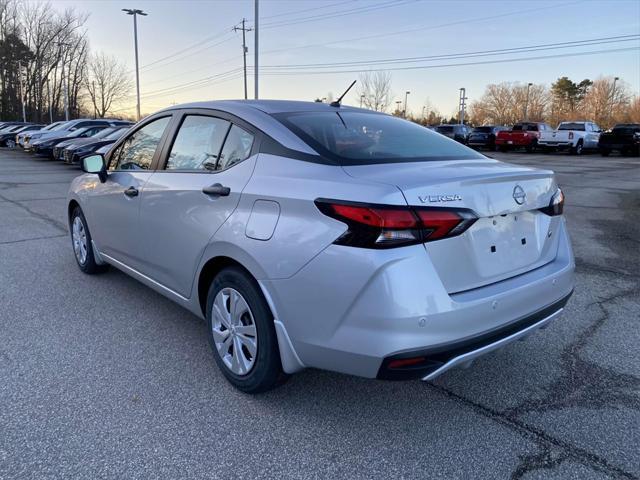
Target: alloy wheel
79 237
234 331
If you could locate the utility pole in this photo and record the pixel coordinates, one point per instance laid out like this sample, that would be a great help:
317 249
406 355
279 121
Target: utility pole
135 13
255 48
244 52
462 104
404 112
423 107
361 99
24 112
526 103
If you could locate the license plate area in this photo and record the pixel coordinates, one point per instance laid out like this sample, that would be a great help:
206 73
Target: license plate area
505 243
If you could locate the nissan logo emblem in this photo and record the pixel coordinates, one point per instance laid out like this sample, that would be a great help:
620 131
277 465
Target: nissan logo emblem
518 194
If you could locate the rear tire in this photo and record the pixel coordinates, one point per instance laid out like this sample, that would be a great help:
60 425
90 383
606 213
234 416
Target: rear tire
241 332
577 150
82 245
10 143
532 147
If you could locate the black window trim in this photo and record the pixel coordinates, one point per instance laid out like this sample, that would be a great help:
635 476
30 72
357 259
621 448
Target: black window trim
179 115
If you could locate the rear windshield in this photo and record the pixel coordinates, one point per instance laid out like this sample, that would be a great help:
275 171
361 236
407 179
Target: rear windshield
571 126
626 130
444 129
116 135
355 138
483 130
525 127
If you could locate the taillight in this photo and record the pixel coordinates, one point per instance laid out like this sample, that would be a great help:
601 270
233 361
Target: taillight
383 226
556 205
570 135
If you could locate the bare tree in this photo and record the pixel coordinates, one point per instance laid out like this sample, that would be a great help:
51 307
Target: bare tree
107 83
375 90
632 115
606 101
506 103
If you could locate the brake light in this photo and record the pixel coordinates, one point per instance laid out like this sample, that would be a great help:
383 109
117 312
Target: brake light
556 205
570 135
382 226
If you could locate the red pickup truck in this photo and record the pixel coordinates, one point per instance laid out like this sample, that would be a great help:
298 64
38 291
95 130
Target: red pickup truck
522 135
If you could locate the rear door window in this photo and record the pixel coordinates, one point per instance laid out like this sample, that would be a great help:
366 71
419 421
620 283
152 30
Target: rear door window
198 143
237 148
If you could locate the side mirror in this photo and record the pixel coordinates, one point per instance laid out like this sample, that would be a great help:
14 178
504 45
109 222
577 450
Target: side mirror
95 164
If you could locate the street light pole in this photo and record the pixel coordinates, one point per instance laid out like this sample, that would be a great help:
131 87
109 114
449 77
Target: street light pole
361 100
135 13
613 97
462 104
255 48
24 112
526 103
404 112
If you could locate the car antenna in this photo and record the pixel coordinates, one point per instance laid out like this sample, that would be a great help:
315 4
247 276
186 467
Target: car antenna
336 103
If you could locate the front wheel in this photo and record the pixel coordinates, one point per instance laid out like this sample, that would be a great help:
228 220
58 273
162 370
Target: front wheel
81 242
241 332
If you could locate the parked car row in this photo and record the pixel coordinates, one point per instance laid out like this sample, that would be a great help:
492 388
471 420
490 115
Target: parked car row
67 141
574 137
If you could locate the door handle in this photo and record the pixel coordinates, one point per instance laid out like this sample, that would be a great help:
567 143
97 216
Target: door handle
131 192
217 189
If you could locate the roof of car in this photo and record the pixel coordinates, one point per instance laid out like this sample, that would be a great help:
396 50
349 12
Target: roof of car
267 106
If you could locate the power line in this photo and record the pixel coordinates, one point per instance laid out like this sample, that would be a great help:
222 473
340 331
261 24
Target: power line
420 29
341 13
296 12
205 80
199 69
487 62
192 53
531 48
179 52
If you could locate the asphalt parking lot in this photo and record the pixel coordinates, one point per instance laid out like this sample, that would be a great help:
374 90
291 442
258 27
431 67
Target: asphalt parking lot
100 377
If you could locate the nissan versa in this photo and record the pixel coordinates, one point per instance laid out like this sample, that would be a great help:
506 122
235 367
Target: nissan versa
325 236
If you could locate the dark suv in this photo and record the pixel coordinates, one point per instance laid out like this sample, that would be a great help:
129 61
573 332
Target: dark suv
485 137
459 132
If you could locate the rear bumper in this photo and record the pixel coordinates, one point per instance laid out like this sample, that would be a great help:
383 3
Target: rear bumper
548 143
517 142
618 146
353 310
437 360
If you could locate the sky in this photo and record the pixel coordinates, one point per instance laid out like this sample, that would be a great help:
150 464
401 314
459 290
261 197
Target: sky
205 56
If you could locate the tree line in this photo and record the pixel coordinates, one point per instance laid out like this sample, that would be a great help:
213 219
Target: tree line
46 63
606 101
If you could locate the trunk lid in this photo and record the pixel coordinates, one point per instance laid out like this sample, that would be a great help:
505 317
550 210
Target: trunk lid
510 237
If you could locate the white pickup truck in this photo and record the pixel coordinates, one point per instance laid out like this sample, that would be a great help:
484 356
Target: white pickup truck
574 136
